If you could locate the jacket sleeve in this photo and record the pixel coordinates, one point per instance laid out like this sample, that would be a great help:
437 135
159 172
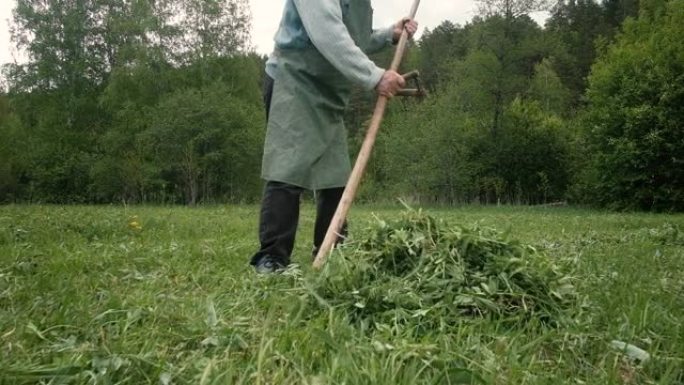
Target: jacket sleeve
323 22
380 39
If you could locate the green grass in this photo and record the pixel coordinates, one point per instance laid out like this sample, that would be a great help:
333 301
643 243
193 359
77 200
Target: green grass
87 297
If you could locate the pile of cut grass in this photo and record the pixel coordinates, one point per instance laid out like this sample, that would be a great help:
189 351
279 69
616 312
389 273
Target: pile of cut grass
421 272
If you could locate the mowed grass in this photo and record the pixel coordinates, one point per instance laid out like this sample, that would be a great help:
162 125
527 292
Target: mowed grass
165 295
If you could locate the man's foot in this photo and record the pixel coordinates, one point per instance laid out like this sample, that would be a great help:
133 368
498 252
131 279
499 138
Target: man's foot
268 266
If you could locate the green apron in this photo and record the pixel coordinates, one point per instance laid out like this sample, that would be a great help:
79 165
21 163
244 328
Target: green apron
306 140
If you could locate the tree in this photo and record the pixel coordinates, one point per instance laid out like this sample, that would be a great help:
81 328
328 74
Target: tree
422 154
438 49
510 9
547 88
501 60
13 151
55 94
635 114
528 161
578 26
205 142
99 70
616 11
214 28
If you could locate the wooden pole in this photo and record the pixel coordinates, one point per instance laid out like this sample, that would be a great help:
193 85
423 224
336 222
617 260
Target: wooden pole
362 160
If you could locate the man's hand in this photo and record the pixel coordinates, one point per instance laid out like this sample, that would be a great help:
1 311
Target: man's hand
390 84
411 26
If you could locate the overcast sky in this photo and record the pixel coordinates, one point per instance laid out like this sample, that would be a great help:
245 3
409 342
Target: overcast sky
266 15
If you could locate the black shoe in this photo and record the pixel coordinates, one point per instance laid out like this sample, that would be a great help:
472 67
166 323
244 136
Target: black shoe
268 266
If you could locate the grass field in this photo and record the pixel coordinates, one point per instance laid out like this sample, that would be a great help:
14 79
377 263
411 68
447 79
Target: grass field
164 295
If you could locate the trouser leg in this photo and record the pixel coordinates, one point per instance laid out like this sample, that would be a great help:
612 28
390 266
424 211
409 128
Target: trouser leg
326 205
278 222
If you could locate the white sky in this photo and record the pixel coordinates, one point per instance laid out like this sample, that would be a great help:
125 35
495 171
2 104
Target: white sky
266 15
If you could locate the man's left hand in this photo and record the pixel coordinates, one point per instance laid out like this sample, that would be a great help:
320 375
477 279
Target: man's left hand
411 26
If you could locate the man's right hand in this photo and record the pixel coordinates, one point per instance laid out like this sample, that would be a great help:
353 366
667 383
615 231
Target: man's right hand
390 84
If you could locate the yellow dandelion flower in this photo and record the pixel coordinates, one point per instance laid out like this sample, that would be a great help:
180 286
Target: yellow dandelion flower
134 223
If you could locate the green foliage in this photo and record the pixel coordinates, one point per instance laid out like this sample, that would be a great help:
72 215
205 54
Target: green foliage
12 152
480 136
547 88
214 28
501 59
421 154
141 101
61 39
438 151
577 27
616 11
205 143
636 96
438 48
527 160
186 146
103 80
512 8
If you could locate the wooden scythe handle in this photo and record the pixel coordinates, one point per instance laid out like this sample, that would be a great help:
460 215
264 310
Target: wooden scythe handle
362 160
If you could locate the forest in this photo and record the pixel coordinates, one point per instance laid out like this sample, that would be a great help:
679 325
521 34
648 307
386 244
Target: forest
160 102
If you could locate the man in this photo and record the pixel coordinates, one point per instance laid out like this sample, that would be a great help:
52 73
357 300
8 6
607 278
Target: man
321 48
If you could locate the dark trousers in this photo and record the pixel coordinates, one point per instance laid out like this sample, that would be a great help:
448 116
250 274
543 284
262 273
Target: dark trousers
280 212
280 216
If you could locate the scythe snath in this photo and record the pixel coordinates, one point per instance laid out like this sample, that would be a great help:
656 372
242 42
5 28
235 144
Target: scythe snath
364 155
